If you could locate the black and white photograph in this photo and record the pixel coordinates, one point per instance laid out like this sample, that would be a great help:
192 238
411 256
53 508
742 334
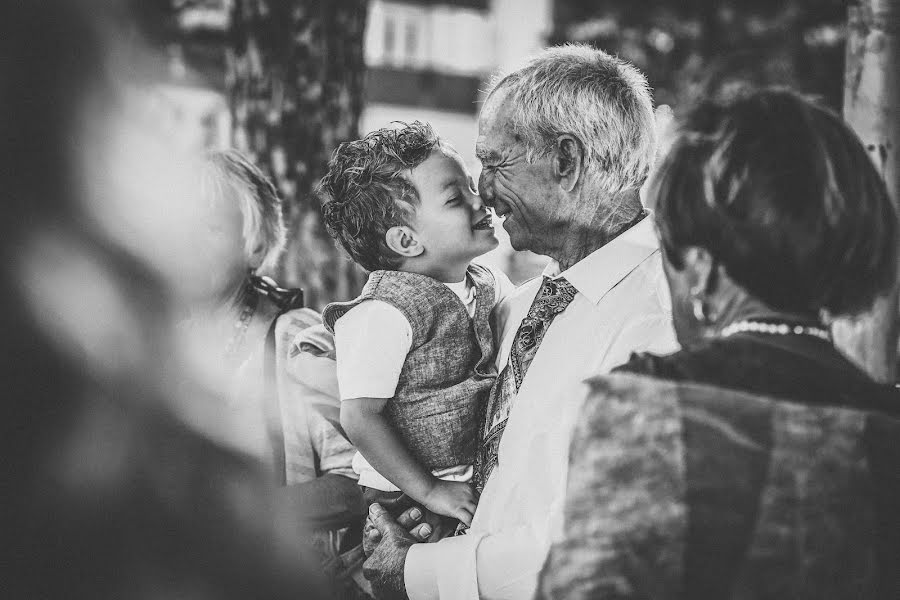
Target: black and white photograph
450 299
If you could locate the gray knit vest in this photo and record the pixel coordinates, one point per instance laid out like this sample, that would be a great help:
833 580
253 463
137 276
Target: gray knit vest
449 370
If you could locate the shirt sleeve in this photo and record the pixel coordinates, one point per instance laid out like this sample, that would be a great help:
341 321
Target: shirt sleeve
371 343
334 450
503 566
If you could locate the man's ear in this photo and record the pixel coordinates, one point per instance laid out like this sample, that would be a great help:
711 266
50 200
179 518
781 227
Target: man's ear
403 240
568 161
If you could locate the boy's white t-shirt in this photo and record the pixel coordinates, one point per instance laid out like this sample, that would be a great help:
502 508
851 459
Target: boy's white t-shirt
371 342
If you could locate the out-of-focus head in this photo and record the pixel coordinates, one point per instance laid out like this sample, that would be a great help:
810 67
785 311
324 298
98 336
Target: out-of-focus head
247 226
572 118
782 196
106 486
367 190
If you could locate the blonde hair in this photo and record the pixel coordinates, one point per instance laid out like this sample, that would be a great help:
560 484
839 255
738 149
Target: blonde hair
229 174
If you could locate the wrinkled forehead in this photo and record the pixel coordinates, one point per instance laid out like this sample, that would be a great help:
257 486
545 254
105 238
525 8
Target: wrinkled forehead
495 123
496 109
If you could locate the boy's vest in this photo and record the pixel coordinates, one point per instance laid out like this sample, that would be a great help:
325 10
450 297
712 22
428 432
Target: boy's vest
449 370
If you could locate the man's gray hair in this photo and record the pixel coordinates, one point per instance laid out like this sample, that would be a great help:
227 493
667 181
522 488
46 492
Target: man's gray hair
599 99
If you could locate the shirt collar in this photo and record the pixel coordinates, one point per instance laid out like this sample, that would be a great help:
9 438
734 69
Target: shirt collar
598 272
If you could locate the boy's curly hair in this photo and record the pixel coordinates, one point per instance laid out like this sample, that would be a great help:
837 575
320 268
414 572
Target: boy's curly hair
364 192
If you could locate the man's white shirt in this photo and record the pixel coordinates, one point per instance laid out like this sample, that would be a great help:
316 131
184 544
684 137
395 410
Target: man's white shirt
622 306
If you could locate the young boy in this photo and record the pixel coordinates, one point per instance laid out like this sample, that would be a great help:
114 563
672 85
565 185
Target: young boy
415 351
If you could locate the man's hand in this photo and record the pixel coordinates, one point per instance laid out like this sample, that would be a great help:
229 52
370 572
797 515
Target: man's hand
452 499
386 552
410 520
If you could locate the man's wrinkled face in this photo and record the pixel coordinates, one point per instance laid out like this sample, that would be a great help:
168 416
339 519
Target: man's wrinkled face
525 194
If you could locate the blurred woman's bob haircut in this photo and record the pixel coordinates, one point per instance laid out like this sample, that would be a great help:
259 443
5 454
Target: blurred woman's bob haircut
230 176
783 195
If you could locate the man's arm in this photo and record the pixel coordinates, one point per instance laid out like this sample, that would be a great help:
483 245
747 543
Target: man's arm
387 544
469 567
364 421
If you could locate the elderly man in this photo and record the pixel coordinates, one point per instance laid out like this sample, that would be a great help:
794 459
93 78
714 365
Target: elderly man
566 143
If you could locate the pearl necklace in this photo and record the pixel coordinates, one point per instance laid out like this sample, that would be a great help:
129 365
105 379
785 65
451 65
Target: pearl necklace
774 329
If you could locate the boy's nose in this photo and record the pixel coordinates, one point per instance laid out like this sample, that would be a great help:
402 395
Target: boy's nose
475 202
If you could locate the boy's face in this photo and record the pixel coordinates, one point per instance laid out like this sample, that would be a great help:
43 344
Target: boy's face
451 222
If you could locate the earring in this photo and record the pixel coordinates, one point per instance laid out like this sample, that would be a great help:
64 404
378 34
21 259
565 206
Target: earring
699 306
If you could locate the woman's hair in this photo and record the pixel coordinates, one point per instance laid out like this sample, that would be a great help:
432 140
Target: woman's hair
602 100
229 174
782 193
365 192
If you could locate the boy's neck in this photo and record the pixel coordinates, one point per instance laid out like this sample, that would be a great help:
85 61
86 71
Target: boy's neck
442 273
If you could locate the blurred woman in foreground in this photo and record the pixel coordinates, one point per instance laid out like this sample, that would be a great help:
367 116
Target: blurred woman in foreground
757 462
107 493
281 389
250 322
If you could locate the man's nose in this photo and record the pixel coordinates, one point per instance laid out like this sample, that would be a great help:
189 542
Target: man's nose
486 188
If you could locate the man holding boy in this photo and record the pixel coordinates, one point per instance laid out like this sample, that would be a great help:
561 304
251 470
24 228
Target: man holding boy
565 144
415 351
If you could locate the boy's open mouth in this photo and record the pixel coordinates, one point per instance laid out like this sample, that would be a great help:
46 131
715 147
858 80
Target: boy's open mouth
484 223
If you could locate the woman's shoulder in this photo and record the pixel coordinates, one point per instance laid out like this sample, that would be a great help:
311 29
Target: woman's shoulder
616 402
682 365
814 374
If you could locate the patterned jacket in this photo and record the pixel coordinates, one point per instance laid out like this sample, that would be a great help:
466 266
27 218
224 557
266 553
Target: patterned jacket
687 489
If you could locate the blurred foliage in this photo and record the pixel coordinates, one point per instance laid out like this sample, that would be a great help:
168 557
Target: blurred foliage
293 73
295 84
694 48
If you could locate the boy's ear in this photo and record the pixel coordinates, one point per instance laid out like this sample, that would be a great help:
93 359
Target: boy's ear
568 161
403 240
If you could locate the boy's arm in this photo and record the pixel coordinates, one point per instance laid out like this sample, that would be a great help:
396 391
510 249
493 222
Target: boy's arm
364 421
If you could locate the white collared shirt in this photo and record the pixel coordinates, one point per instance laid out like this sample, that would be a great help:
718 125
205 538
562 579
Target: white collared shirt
622 306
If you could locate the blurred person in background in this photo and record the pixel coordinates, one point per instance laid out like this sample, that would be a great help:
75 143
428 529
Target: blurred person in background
758 461
281 390
110 490
244 239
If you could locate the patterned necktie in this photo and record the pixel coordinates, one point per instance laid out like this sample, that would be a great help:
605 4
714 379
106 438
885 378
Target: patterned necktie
553 298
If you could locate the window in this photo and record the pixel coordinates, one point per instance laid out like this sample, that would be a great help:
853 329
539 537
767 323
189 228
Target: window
390 38
412 39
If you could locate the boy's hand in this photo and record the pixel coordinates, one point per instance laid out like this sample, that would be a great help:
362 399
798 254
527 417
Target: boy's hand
452 499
